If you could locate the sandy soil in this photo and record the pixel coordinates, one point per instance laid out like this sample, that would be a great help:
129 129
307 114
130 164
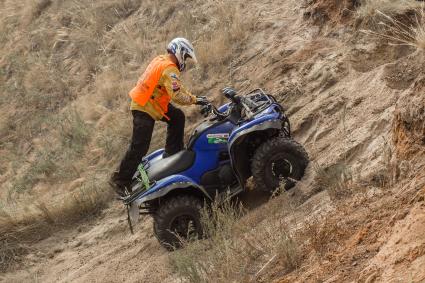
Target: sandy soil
102 250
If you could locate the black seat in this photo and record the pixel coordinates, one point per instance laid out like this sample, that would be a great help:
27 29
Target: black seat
171 165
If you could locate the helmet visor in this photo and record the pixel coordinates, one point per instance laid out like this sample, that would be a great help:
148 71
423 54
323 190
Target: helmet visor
191 56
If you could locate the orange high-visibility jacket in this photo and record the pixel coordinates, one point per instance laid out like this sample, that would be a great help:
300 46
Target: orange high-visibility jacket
147 83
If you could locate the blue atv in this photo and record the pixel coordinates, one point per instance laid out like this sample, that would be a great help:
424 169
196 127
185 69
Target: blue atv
250 136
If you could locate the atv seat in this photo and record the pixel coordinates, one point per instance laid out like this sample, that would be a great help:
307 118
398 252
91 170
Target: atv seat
171 165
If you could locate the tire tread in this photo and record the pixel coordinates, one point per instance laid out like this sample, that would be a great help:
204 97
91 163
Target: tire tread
165 210
271 145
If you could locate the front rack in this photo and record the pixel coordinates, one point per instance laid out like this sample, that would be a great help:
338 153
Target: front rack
256 101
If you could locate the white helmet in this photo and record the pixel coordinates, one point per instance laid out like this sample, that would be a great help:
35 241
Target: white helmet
182 49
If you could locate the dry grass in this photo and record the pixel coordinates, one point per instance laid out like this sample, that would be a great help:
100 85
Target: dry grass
18 231
337 179
399 22
73 131
323 234
215 49
372 8
53 160
238 248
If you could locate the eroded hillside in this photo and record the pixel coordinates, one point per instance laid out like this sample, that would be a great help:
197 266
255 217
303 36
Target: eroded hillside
355 99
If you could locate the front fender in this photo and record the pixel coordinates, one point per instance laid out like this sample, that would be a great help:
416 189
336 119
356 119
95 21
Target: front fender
270 121
165 186
237 151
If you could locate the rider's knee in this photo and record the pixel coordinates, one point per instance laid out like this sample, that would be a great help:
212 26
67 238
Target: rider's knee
179 116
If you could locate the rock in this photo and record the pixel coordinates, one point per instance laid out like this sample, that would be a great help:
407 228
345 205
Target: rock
57 250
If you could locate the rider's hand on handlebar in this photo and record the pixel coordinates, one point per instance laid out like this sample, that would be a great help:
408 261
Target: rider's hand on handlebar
202 100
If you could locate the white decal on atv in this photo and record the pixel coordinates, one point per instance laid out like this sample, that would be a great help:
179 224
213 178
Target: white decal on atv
217 138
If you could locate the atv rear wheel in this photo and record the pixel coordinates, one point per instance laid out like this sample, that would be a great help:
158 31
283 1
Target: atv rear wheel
278 160
178 219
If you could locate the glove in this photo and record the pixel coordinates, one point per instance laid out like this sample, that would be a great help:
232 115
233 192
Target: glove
202 100
229 92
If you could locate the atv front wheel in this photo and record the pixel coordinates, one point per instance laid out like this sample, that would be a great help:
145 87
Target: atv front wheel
278 160
178 219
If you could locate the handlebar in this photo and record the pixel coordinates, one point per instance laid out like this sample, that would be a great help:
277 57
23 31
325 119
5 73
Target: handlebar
245 105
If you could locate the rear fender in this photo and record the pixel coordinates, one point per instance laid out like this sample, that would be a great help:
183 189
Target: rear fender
147 160
166 186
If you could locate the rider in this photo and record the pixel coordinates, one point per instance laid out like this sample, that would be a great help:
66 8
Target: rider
150 102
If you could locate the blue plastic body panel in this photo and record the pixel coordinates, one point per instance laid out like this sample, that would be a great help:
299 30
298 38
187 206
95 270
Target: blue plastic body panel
207 154
156 155
223 108
258 119
167 182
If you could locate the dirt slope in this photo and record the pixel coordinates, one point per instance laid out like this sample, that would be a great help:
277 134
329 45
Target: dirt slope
355 103
99 251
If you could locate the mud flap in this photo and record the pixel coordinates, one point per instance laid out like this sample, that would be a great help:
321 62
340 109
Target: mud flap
130 224
133 214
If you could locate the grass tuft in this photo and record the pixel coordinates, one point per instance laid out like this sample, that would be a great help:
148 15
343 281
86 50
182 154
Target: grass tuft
399 27
337 179
74 131
371 8
236 249
323 234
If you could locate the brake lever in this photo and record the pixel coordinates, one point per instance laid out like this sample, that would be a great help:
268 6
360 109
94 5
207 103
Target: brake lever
206 110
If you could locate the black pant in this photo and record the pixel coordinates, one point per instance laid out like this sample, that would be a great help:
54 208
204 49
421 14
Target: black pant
143 125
